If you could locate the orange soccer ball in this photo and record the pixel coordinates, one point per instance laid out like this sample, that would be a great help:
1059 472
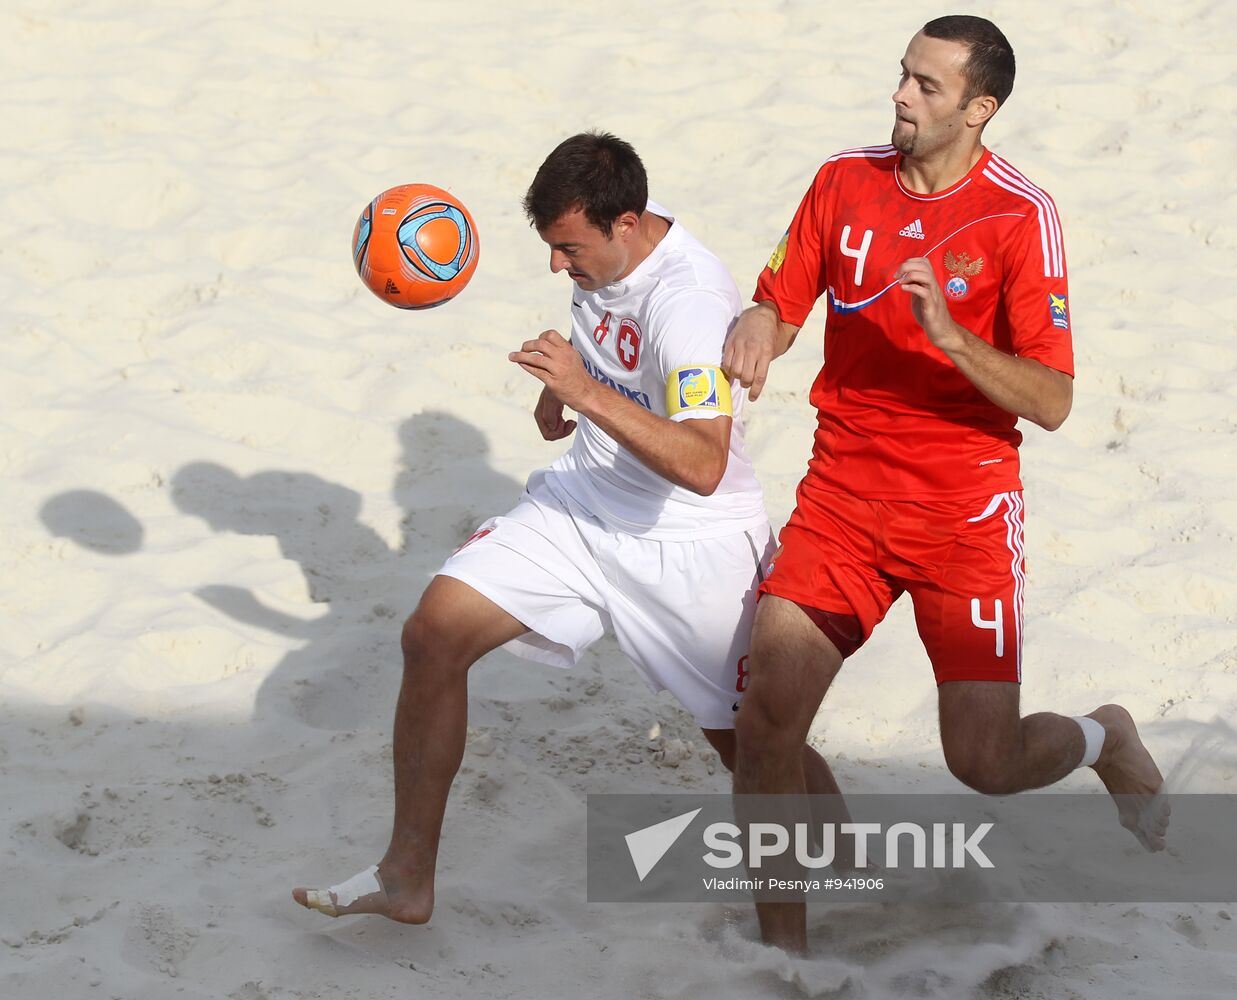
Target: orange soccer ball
415 246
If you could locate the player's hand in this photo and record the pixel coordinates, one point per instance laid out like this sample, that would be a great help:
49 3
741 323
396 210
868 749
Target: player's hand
751 347
557 364
928 305
549 416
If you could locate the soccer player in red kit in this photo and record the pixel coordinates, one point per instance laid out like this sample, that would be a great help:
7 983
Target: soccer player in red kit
944 272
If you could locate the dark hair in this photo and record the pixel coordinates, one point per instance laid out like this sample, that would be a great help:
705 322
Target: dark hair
989 68
593 171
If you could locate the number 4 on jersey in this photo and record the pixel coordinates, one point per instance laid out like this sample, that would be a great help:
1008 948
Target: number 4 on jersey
858 254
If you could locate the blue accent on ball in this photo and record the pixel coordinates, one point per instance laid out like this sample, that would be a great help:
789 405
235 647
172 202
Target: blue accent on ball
362 236
409 228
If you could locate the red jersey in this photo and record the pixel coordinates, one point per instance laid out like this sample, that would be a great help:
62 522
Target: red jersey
896 420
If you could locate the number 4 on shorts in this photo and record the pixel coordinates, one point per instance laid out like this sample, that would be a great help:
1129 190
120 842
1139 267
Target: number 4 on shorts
996 623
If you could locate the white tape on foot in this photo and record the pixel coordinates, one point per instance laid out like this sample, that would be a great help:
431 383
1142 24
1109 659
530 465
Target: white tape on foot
330 901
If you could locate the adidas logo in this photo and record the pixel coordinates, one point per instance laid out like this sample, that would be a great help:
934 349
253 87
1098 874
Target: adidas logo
914 230
393 289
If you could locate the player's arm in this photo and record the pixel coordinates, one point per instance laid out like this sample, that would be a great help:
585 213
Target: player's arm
549 416
1021 386
690 453
788 286
759 336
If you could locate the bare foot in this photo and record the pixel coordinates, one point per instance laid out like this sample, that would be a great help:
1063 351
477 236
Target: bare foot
370 891
1131 777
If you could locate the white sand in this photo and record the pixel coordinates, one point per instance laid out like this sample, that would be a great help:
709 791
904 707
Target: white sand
230 471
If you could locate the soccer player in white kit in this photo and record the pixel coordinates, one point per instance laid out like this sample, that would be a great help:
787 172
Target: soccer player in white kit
652 526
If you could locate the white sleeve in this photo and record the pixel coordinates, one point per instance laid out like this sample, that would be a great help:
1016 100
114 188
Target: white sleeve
692 326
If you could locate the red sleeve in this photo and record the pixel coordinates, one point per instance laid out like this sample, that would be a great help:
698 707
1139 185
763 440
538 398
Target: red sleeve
1036 291
795 277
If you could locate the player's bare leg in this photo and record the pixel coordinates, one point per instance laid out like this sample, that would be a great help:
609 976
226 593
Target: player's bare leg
819 781
792 664
451 629
990 749
817 775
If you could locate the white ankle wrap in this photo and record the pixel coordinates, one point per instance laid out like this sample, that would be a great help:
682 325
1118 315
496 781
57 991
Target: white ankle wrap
1093 733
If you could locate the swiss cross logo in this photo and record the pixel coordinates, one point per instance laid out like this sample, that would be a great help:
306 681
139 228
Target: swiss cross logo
628 344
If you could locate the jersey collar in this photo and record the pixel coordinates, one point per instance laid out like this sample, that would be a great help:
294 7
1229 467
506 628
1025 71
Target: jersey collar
974 172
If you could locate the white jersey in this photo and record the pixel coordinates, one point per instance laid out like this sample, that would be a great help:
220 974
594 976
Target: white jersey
672 312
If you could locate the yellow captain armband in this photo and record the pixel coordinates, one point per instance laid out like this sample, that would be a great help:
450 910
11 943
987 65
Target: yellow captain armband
698 390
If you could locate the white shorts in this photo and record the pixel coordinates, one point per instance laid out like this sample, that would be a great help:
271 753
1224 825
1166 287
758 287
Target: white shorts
682 611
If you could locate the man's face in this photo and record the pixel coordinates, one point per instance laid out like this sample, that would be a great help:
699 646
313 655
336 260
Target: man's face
926 103
591 259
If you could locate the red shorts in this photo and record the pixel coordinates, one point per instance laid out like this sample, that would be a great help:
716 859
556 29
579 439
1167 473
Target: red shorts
961 561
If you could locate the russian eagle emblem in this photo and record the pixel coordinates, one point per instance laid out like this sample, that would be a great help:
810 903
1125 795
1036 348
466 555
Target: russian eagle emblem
962 266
